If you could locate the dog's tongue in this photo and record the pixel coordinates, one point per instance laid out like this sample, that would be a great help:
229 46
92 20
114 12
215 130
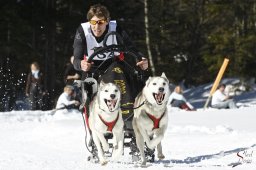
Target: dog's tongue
111 104
159 97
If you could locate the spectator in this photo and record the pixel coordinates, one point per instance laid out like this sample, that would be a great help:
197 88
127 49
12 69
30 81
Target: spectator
65 100
70 73
222 101
34 86
177 99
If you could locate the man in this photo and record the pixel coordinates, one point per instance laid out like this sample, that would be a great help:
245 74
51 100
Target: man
65 100
34 86
89 36
177 99
222 101
92 33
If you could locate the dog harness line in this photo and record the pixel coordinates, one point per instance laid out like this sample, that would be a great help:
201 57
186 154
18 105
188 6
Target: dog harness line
110 125
155 120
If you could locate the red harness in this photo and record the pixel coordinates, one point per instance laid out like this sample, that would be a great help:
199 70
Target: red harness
110 125
155 120
86 117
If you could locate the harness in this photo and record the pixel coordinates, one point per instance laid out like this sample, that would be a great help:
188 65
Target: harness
110 125
156 121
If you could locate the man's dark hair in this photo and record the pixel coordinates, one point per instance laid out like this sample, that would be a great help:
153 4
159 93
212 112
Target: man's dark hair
98 10
222 85
36 64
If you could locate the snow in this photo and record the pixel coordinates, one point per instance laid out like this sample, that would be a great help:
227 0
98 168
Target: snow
203 139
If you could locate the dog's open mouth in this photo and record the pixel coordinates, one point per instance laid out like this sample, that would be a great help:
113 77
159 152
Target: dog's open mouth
159 97
111 104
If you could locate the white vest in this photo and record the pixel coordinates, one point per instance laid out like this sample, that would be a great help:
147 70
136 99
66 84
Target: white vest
92 43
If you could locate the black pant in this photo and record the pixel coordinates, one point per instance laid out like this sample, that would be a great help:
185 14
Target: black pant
120 75
35 97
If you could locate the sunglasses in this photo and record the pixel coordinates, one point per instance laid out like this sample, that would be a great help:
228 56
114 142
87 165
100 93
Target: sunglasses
100 22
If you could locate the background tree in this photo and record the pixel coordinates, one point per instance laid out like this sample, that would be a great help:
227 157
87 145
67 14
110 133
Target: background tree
188 38
231 34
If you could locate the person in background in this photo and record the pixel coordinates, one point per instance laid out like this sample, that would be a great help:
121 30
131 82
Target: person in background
70 73
177 99
66 99
34 86
222 101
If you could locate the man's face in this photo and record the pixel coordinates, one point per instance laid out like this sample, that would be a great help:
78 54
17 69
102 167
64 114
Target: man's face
222 88
33 67
98 28
69 91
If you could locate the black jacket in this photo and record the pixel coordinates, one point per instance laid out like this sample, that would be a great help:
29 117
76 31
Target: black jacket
38 82
69 71
80 46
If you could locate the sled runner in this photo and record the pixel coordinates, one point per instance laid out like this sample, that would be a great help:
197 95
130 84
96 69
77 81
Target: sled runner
117 53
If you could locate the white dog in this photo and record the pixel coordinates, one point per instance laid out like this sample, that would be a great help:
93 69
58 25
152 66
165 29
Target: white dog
105 117
151 119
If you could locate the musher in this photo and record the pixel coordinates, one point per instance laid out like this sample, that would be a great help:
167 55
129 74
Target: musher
89 36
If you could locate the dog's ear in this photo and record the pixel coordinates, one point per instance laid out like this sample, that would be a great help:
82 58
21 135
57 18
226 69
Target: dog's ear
163 75
102 83
147 82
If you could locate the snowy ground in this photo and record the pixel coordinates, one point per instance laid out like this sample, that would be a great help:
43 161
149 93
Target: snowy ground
204 139
197 140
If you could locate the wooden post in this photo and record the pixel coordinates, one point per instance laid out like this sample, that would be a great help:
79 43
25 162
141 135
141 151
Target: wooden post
217 81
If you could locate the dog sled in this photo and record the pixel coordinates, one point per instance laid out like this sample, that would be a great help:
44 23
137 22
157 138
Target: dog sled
89 87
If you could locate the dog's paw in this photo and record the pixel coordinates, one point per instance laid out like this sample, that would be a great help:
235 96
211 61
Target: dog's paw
117 153
105 147
151 145
143 164
161 156
103 162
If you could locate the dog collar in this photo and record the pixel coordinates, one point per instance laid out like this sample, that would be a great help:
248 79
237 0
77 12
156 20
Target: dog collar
156 121
110 125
